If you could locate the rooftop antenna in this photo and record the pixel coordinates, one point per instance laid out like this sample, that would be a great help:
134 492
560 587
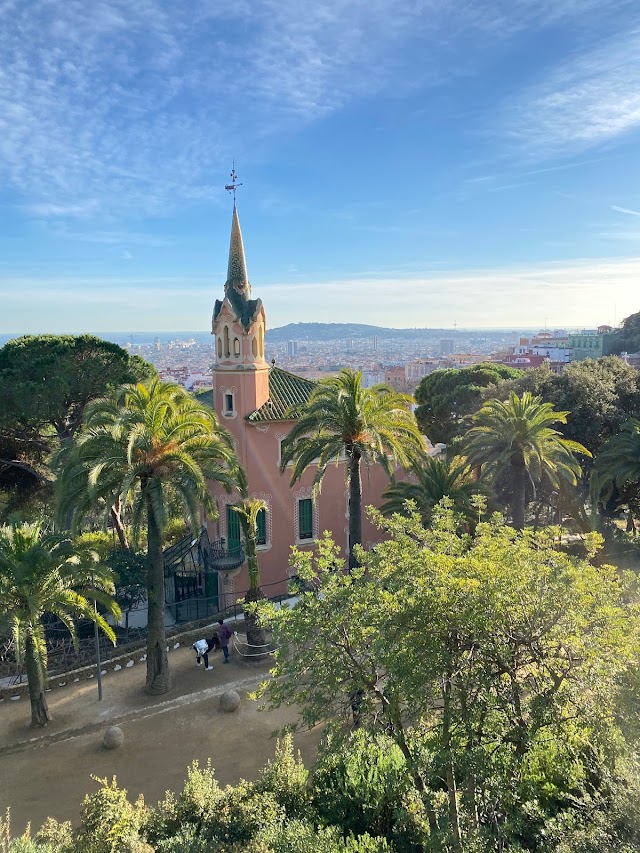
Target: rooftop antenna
234 182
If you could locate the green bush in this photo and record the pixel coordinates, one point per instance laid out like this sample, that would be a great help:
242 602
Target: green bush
286 779
359 783
191 810
186 841
57 835
242 813
109 822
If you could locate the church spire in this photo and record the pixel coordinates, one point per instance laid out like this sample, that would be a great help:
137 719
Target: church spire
237 288
237 278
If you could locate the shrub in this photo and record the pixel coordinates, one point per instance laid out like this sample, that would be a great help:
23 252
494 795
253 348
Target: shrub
359 784
57 835
286 778
242 813
109 822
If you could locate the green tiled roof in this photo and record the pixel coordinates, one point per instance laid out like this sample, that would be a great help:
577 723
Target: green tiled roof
285 390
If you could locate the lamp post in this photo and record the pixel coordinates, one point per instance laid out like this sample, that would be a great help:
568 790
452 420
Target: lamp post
97 644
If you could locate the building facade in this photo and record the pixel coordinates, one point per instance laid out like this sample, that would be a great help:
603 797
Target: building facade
589 343
253 400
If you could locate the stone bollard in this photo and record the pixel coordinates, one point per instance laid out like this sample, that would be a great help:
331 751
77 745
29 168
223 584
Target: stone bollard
113 737
230 701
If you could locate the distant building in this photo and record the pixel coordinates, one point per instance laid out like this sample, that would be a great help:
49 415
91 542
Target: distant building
591 343
415 370
292 348
554 351
156 344
395 377
522 362
372 377
447 346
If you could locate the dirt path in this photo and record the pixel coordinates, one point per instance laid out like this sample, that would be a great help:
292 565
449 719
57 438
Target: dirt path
49 773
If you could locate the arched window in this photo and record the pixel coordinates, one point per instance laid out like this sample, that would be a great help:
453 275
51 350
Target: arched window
261 337
219 347
254 346
236 347
227 351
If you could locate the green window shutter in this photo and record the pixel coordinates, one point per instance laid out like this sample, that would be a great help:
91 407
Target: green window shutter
261 527
233 529
305 519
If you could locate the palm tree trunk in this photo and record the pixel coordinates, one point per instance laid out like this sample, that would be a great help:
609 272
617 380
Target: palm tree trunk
40 715
518 500
158 676
255 634
118 526
355 505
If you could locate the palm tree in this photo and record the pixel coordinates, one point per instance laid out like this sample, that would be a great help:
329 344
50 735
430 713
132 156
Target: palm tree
434 480
617 469
343 419
42 573
144 444
248 510
516 441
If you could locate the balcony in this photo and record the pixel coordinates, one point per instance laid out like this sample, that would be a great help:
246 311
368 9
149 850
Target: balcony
223 559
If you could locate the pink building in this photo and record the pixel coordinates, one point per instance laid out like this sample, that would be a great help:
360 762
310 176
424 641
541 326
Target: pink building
252 399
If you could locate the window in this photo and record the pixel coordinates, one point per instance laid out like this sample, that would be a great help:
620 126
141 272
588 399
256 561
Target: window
227 351
228 404
236 347
261 527
233 529
254 347
219 347
305 518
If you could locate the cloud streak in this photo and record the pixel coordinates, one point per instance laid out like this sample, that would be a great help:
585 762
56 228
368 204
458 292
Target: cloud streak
573 293
590 98
626 210
133 106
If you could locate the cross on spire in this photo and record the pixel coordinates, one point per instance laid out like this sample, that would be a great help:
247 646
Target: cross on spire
234 182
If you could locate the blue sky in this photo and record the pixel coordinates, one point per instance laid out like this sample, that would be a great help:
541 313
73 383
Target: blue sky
416 163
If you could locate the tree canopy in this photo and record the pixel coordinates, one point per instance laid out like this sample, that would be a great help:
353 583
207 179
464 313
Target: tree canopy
43 573
599 396
516 443
627 339
46 382
141 446
365 426
444 397
492 663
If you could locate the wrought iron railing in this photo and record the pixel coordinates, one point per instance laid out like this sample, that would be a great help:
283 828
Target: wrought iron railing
224 559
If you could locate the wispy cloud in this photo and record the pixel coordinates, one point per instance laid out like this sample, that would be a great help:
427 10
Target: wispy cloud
135 105
591 98
626 210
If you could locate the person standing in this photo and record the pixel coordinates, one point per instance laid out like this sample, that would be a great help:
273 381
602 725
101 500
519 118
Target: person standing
202 649
224 635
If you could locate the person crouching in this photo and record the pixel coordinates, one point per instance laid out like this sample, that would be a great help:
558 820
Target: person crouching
202 649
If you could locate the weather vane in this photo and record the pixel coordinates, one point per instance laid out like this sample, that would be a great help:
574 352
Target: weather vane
234 182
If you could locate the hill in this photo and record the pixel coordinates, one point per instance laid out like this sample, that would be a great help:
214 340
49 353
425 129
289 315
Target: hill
340 331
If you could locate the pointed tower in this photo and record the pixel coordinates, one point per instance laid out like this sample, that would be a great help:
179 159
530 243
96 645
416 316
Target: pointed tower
240 373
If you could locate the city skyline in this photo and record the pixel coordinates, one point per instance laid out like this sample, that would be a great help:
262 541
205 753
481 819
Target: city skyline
402 164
